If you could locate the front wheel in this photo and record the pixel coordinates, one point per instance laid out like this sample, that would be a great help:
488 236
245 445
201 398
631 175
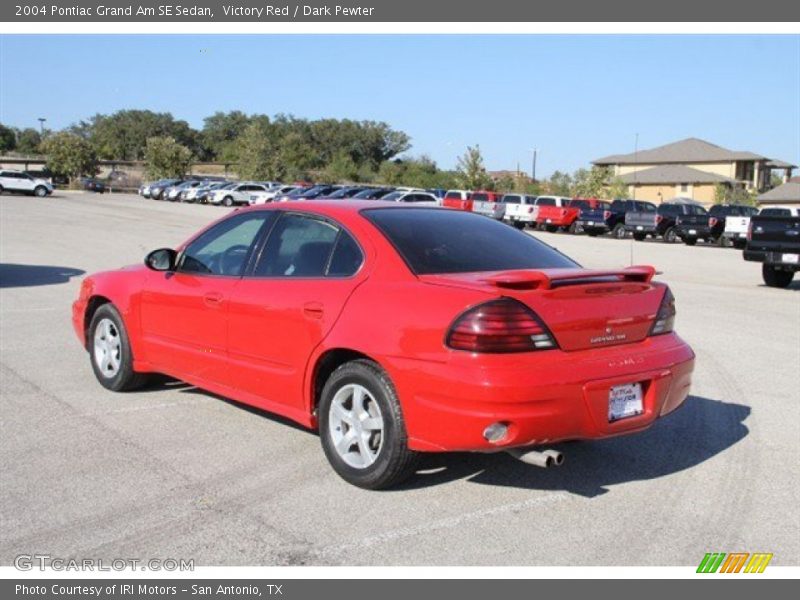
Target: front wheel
775 278
40 191
361 427
110 351
670 236
228 201
573 228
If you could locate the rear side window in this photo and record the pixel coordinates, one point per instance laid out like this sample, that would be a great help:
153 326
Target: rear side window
480 197
646 207
443 241
298 246
456 195
668 209
545 202
346 258
511 199
617 205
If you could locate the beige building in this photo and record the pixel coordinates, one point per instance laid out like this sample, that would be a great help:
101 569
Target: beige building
691 168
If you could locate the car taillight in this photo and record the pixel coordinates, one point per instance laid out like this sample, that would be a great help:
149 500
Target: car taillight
712 221
606 215
658 219
499 326
530 209
665 319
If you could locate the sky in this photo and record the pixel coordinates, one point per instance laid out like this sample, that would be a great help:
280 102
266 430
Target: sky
572 97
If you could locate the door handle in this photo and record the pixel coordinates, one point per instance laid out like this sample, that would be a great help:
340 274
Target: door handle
213 299
313 310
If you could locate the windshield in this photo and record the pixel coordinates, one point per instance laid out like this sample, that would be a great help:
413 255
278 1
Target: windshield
433 241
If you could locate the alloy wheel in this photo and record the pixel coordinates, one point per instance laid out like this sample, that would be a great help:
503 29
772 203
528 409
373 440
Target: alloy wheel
356 426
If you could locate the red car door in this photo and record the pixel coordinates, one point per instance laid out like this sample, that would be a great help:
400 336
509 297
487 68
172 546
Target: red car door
184 314
284 308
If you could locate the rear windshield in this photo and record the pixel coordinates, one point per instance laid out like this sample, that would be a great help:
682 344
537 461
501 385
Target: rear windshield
433 241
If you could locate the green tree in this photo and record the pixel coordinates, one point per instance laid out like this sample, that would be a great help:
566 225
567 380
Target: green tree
220 132
258 152
471 171
616 188
28 141
8 139
342 169
69 154
166 157
560 184
124 134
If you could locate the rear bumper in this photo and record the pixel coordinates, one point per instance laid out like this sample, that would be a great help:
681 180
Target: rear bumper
593 226
772 258
542 397
649 229
683 231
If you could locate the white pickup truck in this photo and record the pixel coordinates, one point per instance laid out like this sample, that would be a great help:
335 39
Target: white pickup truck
521 210
736 227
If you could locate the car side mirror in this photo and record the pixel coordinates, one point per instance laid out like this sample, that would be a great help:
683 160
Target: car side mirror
163 259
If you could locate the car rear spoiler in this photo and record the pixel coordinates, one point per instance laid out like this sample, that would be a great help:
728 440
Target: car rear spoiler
551 278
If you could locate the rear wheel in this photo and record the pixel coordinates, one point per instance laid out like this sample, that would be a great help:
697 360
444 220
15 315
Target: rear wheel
619 231
361 427
110 351
670 236
639 237
739 244
690 241
775 278
551 228
573 228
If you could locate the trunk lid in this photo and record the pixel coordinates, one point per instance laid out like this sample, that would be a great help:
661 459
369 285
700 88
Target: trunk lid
582 308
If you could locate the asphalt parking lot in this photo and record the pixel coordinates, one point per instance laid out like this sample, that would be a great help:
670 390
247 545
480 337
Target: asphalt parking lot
174 472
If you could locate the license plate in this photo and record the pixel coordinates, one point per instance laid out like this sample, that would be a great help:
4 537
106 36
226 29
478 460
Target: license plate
549 220
639 228
693 232
590 223
624 401
743 234
790 258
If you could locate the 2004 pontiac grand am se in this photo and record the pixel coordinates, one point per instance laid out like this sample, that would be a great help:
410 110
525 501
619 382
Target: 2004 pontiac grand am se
394 330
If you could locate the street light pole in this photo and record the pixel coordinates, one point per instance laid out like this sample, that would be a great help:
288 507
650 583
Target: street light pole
533 167
41 125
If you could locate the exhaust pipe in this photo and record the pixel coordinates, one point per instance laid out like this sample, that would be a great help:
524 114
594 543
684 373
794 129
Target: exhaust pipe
538 458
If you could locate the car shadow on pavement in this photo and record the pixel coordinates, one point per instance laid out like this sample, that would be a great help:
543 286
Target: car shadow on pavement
698 431
14 275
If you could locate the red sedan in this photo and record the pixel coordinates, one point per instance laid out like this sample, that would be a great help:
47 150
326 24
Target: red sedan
394 330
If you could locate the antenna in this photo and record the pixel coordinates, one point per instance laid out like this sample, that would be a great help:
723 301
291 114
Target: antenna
635 171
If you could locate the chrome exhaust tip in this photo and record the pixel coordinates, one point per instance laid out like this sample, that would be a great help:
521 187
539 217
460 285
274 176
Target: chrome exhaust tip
538 458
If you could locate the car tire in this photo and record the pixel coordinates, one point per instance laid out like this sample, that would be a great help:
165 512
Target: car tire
227 201
670 236
573 228
377 456
690 241
519 225
551 228
619 231
739 244
110 351
40 191
775 278
639 237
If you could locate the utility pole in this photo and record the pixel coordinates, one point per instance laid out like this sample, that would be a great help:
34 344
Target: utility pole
533 167
636 161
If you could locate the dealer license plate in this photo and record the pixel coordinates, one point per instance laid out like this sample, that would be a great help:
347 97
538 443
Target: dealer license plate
590 223
639 228
791 258
624 401
693 232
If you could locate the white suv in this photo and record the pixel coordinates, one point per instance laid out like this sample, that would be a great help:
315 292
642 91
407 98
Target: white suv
22 183
243 193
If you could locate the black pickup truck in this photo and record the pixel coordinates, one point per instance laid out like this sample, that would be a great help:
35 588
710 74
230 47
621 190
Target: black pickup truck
661 222
602 220
774 241
710 225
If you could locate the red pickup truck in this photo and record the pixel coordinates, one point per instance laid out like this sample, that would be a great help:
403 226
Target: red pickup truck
459 199
562 213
